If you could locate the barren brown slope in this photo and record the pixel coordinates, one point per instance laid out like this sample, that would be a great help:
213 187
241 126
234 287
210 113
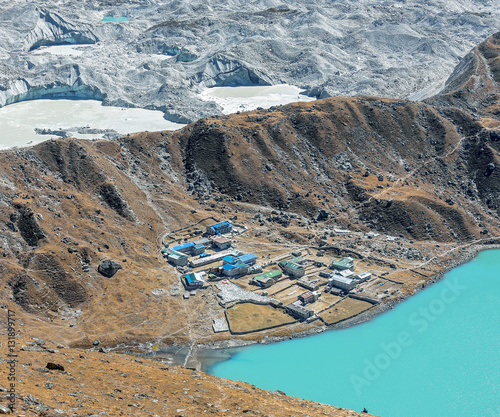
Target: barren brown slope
371 163
68 205
94 383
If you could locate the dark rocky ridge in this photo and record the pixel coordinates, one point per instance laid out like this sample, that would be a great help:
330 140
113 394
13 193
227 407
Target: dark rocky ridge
365 163
474 83
330 147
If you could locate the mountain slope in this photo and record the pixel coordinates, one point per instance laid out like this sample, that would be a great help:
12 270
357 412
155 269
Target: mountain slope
336 149
371 164
474 84
428 175
93 383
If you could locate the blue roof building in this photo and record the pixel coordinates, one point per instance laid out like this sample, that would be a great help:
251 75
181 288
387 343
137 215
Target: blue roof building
248 258
238 268
197 249
228 260
185 248
193 281
220 228
229 270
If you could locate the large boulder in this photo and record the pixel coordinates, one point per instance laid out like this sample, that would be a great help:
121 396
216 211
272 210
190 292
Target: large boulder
108 268
54 366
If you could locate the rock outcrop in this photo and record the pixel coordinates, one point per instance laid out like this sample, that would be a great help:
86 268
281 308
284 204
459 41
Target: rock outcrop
474 84
108 268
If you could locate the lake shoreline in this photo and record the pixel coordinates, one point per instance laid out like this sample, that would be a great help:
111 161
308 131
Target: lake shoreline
201 359
438 346
203 356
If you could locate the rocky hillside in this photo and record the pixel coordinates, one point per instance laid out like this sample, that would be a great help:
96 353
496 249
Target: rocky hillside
359 163
428 174
370 163
168 51
474 84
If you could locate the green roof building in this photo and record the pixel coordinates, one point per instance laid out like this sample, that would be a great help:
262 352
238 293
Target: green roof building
344 263
267 279
174 257
292 268
298 260
193 281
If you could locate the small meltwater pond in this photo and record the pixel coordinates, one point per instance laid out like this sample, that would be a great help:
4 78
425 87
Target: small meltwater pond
115 19
32 122
85 119
67 50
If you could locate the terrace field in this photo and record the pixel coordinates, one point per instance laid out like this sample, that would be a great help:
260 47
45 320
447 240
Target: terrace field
248 317
346 308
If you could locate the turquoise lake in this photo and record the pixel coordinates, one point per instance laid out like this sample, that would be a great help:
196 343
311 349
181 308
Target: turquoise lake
436 354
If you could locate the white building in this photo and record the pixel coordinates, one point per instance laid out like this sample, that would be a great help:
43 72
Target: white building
346 284
214 258
364 276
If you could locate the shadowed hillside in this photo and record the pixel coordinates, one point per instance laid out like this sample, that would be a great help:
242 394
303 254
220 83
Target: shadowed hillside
372 163
397 167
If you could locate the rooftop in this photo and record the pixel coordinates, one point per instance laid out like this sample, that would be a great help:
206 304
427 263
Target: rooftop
248 257
291 265
229 259
183 246
194 277
221 240
340 278
306 294
270 274
220 225
345 262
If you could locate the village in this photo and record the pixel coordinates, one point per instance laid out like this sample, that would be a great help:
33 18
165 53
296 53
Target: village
259 292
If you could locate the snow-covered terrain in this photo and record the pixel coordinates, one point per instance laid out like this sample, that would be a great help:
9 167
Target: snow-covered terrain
404 48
